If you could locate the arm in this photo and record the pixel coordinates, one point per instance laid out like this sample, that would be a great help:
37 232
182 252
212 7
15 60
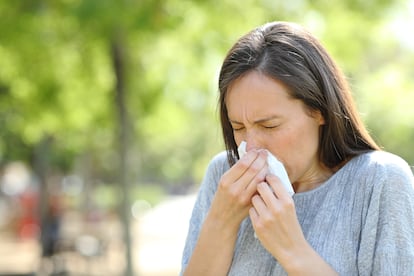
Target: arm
215 245
214 249
274 219
387 242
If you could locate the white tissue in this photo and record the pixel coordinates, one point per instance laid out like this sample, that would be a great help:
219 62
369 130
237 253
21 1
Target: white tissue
275 167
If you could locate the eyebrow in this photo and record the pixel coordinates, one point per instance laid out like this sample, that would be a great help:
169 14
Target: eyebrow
258 121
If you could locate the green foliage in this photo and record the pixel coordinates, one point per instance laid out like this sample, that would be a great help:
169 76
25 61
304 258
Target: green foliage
57 78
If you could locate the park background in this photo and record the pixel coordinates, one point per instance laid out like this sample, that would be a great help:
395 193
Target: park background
108 116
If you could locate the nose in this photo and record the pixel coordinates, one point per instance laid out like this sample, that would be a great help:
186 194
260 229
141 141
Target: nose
252 142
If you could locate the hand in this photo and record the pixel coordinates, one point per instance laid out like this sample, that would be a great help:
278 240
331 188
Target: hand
274 219
236 188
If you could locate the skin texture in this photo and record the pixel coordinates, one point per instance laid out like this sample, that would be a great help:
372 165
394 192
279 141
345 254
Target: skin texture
263 114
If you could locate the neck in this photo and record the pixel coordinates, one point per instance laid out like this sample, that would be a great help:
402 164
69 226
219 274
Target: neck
312 181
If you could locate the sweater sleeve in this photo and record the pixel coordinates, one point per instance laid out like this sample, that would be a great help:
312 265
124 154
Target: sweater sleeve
202 204
387 238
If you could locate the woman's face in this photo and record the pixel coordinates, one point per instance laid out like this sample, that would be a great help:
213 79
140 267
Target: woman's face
262 113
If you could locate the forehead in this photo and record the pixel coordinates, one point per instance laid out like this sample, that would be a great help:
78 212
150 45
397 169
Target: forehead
256 94
259 81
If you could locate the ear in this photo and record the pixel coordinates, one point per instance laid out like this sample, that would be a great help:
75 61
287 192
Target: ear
320 120
315 114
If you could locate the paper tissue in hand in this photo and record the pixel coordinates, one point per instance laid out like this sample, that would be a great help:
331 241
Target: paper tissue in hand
275 167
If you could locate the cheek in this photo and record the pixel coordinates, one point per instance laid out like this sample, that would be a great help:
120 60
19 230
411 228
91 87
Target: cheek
238 137
282 145
293 148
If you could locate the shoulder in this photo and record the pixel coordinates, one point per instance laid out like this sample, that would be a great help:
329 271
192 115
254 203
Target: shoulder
383 172
383 163
218 164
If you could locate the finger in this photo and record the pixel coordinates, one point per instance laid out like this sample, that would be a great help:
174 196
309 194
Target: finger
267 194
258 204
277 186
254 216
240 167
257 170
260 177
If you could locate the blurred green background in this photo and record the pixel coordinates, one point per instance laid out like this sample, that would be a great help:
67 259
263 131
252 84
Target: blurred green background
107 103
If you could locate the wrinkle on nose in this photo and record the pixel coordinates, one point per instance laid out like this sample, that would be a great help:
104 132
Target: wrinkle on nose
252 140
250 145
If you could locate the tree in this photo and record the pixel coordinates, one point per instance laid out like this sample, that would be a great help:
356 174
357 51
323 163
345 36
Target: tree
81 79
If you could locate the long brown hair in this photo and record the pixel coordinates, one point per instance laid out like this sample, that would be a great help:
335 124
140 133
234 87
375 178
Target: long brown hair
288 53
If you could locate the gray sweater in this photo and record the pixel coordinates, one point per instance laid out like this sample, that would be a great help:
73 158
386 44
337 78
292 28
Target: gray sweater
361 220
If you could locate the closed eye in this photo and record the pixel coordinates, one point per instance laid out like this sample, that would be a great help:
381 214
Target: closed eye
238 128
271 127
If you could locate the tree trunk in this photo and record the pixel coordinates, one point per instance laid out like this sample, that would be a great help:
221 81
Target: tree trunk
118 60
40 166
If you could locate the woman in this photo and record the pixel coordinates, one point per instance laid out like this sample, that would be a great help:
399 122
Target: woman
353 208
